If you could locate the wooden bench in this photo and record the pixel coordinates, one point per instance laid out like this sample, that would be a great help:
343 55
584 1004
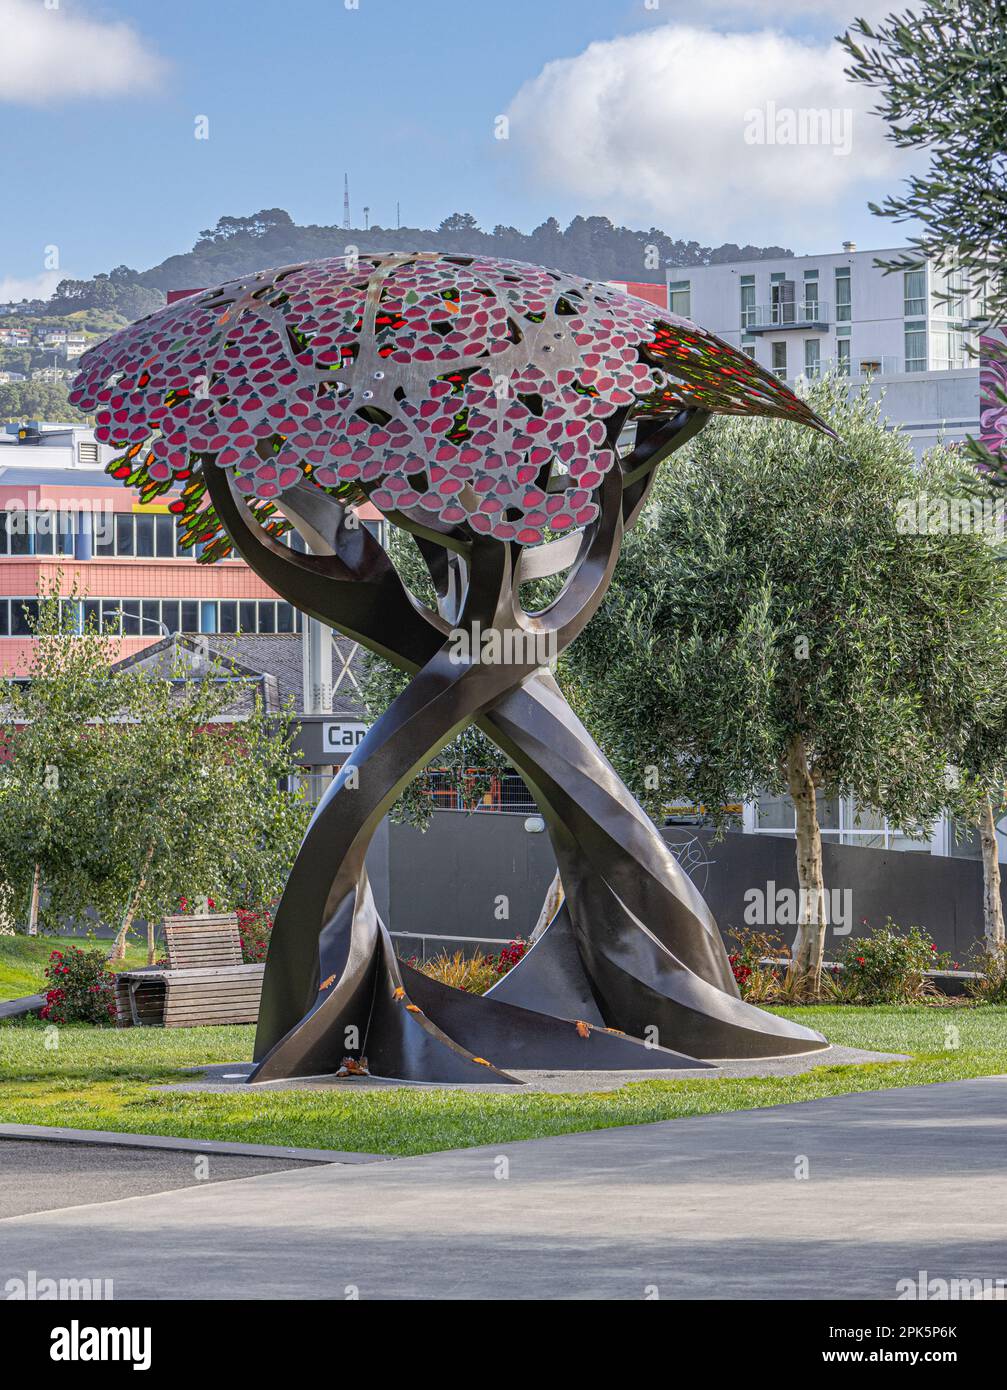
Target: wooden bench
205 981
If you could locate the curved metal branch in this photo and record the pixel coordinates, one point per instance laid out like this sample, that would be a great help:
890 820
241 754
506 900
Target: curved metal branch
357 589
590 575
640 467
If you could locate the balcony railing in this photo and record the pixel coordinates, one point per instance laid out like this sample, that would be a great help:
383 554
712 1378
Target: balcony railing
756 318
859 369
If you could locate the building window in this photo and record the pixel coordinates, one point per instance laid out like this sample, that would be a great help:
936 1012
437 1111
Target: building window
23 616
781 295
129 609
915 293
679 298
811 309
124 533
844 294
780 360
812 357
144 539
956 306
142 535
148 617
842 822
747 301
36 533
916 346
843 356
164 537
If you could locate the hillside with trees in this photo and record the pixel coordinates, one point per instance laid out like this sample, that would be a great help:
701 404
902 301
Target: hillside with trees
589 246
34 385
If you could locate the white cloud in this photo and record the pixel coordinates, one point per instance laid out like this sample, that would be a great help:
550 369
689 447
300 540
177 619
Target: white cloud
53 55
654 125
13 289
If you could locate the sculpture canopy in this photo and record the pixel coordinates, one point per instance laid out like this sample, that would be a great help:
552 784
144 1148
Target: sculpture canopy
458 390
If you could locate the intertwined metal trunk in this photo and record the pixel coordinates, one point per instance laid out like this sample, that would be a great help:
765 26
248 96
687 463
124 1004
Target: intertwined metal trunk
631 972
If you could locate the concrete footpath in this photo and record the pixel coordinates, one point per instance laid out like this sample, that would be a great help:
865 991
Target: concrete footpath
830 1199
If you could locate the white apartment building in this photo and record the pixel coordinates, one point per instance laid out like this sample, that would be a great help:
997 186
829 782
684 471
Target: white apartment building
801 316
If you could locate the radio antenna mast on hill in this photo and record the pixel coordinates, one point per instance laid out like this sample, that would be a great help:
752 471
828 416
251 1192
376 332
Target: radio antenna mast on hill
346 202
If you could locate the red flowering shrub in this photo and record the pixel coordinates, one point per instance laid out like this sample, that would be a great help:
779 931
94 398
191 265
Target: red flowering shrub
254 928
889 966
742 972
475 973
756 980
510 955
81 989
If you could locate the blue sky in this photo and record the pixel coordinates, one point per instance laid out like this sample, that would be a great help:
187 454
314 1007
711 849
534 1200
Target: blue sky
616 107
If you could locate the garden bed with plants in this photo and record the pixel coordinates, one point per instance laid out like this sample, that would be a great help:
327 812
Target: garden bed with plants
893 965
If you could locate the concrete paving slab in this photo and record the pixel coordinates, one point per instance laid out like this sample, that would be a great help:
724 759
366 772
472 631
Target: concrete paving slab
37 1176
830 1199
221 1078
118 1139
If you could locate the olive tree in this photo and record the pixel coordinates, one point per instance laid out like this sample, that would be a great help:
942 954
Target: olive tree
782 623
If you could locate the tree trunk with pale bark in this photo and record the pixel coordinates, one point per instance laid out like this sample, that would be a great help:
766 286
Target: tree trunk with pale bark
809 946
993 913
119 948
33 904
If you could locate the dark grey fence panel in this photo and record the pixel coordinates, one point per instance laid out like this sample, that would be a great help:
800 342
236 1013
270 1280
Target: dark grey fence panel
460 877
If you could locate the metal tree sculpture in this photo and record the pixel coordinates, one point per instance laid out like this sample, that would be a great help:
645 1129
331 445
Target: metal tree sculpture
479 405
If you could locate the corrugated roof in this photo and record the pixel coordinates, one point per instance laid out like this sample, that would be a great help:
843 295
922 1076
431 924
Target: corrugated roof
256 655
31 476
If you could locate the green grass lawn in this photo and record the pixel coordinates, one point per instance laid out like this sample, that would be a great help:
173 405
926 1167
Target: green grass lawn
101 1078
23 960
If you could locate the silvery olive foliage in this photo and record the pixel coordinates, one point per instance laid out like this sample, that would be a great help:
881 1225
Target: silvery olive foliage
771 591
